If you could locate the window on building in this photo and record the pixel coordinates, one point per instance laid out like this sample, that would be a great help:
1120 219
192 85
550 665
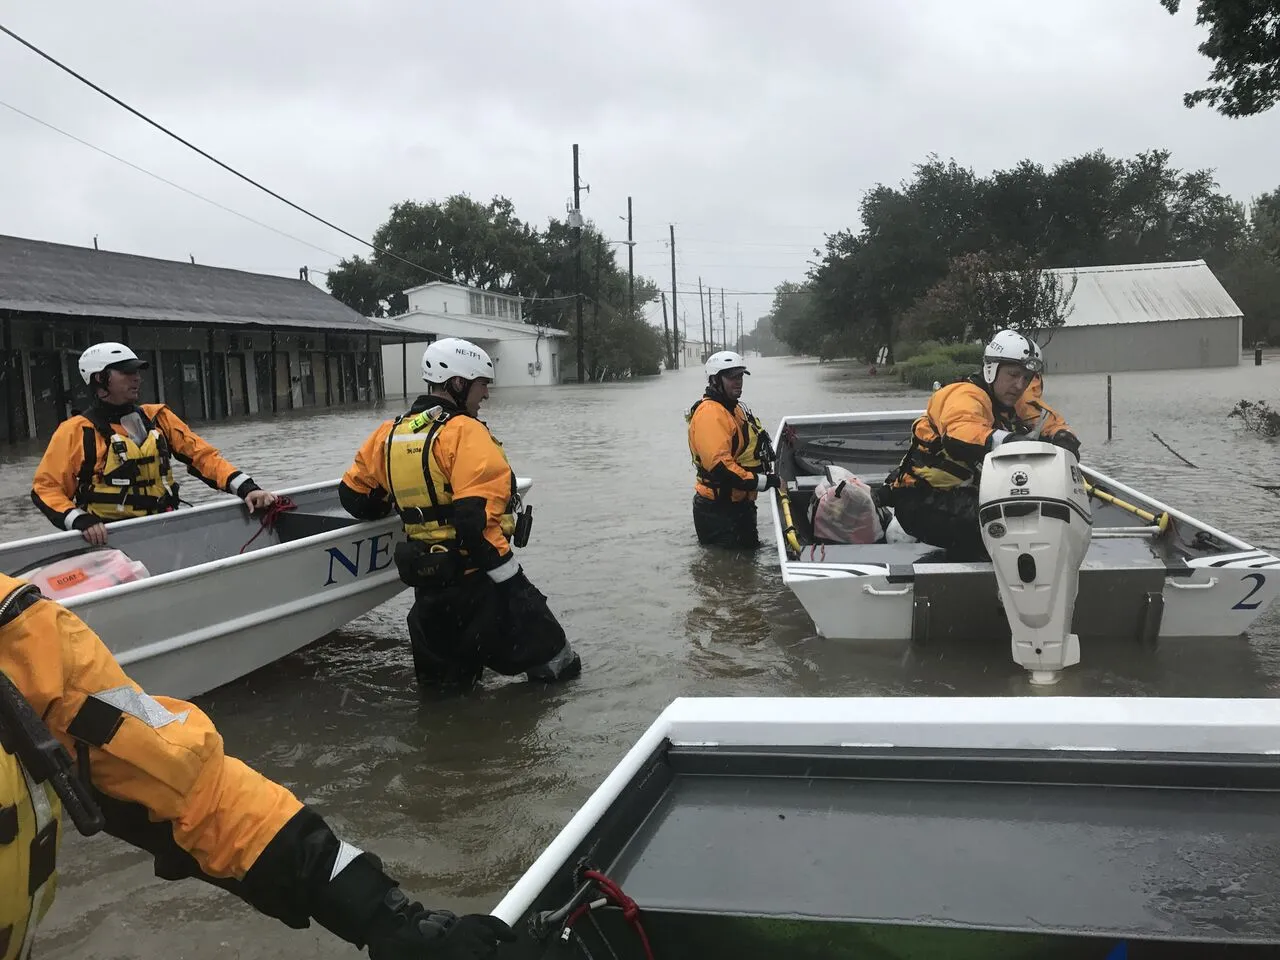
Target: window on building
476 304
502 309
515 310
555 367
490 305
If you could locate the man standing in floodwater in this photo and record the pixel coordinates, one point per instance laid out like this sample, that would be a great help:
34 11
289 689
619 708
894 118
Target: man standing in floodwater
441 469
730 450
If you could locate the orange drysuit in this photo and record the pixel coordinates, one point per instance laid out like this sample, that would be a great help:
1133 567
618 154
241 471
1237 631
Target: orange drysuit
155 767
69 485
726 449
479 485
961 425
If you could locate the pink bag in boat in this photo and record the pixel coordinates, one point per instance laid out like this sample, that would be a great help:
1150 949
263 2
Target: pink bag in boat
85 573
843 509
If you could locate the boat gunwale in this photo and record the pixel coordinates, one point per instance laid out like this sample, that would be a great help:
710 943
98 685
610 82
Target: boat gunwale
1109 730
222 563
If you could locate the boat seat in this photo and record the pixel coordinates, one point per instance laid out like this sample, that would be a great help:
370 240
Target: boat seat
294 525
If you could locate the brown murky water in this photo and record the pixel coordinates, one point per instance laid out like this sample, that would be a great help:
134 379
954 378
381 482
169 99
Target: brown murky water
458 796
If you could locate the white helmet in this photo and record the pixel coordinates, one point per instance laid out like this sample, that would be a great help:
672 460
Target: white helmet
454 357
724 360
1009 346
116 356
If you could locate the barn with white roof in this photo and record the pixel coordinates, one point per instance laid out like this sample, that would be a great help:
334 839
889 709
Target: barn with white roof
1145 316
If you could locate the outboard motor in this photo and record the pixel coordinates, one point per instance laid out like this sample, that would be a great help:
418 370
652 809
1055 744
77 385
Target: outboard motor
1036 524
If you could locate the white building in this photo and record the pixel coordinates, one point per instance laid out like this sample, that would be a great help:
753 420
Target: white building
1144 316
523 355
694 352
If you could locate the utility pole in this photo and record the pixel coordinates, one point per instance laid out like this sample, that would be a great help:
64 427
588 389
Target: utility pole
666 331
595 310
711 322
675 310
631 267
724 330
702 309
576 219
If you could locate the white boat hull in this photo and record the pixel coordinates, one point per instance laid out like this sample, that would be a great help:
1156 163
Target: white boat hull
1219 594
209 615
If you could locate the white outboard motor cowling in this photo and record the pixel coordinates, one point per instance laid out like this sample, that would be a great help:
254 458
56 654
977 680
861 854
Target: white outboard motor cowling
1036 525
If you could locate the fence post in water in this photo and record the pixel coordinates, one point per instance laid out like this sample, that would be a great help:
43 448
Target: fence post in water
1257 355
1108 408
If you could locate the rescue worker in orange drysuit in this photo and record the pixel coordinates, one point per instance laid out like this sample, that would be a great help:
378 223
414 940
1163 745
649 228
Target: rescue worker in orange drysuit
151 771
112 462
730 451
934 491
442 471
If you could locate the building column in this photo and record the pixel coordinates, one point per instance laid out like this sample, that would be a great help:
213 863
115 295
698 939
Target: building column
275 403
10 376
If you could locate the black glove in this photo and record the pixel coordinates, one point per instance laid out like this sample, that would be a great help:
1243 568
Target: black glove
1068 441
772 481
409 931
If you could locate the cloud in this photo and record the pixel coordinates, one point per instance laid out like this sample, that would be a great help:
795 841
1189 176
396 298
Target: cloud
754 126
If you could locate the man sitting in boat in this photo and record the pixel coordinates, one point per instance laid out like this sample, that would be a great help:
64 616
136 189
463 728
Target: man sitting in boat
151 771
934 491
442 470
112 462
730 450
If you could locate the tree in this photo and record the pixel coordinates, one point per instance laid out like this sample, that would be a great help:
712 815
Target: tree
485 245
1244 45
870 287
763 340
792 319
983 293
460 241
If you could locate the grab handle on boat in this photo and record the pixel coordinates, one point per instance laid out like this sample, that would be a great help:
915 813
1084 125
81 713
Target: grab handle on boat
868 588
1212 582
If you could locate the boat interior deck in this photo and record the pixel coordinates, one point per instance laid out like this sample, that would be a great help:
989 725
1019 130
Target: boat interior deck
1165 847
871 449
187 538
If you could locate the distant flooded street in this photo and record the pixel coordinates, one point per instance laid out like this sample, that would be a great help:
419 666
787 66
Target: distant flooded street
459 795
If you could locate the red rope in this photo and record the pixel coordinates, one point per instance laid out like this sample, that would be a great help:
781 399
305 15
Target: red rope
269 516
614 895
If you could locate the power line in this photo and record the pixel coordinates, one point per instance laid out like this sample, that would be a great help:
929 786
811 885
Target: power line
156 176
187 143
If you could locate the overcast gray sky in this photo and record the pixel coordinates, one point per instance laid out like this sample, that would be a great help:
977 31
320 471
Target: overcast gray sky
754 126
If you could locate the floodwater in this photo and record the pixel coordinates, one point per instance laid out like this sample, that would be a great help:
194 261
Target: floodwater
459 795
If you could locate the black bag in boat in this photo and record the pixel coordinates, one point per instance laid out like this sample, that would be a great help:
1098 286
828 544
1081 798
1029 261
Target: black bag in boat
427 566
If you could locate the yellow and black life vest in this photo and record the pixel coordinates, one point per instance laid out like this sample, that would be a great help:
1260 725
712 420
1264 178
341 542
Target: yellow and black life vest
136 480
29 841
421 492
929 461
30 815
748 443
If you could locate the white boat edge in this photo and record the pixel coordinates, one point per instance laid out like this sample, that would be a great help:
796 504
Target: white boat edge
71 536
1108 724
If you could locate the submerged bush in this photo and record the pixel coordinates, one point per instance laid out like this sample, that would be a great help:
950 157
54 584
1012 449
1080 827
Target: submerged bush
1258 417
939 362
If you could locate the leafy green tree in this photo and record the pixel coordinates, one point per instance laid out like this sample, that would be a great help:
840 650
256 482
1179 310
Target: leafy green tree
485 245
1244 45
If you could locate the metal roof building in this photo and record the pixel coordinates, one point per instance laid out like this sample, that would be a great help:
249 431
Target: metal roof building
1147 316
220 342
